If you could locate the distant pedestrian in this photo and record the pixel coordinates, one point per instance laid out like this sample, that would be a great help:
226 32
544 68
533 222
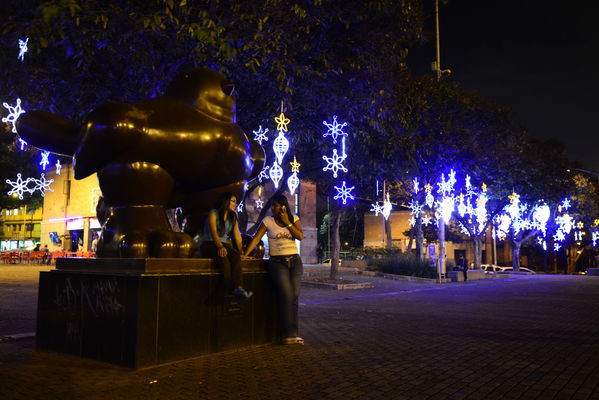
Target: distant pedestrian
47 257
319 254
462 264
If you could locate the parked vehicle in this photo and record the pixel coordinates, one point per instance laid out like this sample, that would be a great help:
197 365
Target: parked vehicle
490 268
509 270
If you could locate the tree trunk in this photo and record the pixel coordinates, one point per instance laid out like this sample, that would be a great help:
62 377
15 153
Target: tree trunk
477 244
441 236
335 242
388 233
516 255
419 238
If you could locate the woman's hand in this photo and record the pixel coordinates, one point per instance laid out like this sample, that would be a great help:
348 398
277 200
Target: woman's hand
222 252
283 216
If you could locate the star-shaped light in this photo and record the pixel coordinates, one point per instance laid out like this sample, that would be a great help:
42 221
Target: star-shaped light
294 165
335 129
282 122
596 222
514 197
58 167
22 48
260 135
13 114
344 193
19 186
259 203
484 187
44 161
580 225
556 246
334 163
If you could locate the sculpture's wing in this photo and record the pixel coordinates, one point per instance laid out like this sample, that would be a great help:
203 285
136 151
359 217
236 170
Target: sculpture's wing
49 132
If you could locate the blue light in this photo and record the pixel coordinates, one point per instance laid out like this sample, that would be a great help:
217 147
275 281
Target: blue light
344 193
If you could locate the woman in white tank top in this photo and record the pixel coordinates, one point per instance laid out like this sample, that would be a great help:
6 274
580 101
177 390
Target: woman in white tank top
284 265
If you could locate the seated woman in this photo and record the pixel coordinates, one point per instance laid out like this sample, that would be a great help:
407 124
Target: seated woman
284 265
222 222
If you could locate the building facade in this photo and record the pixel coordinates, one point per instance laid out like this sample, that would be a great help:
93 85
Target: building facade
20 228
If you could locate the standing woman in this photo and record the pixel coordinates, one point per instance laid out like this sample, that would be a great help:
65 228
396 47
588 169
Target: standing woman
285 265
220 223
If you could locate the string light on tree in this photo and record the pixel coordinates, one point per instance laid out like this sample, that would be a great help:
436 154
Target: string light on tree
22 48
13 114
334 163
344 193
260 135
334 129
44 161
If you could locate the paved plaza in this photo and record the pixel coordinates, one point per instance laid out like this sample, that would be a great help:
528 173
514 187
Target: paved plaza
524 337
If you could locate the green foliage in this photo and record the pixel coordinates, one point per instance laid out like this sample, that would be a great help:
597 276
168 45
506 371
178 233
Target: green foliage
395 262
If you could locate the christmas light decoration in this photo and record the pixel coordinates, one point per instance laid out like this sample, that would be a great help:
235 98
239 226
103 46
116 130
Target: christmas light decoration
334 163
58 167
415 207
275 173
594 238
19 186
22 48
416 185
387 206
556 246
578 236
445 209
22 144
295 165
263 174
344 193
259 203
376 208
426 220
429 199
44 161
239 207
334 129
566 204
580 225
13 114
282 121
446 186
293 182
42 185
412 221
260 135
280 146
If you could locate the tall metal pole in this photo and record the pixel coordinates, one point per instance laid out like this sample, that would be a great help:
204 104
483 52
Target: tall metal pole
438 36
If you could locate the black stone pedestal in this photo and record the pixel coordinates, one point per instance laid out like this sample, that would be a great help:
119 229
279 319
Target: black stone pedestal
143 312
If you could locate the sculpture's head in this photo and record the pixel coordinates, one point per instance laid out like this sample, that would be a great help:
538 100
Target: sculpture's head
208 91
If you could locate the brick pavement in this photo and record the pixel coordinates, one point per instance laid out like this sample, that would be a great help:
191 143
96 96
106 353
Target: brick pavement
530 337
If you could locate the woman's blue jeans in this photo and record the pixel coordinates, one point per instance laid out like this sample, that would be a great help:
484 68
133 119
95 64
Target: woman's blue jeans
286 275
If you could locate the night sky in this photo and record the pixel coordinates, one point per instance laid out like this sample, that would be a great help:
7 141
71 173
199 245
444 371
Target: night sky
539 58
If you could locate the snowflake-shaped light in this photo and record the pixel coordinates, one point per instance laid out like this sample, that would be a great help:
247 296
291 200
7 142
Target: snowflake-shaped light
446 186
44 161
263 175
58 167
559 236
293 182
376 208
13 114
344 193
415 207
280 146
334 163
540 240
556 246
22 48
42 185
295 165
260 135
335 129
22 144
239 207
259 203
412 221
426 220
19 186
566 203
282 122
275 173
416 185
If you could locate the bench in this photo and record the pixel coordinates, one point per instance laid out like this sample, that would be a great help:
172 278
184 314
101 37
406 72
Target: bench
473 275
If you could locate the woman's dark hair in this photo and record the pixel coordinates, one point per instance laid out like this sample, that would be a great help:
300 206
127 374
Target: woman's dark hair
222 206
282 200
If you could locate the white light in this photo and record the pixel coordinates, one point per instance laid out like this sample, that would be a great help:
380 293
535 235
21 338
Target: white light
22 48
263 174
335 129
416 185
280 146
387 206
426 220
276 173
566 203
260 135
42 185
13 114
19 186
58 167
23 144
259 203
334 163
239 207
344 193
376 208
44 161
293 183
